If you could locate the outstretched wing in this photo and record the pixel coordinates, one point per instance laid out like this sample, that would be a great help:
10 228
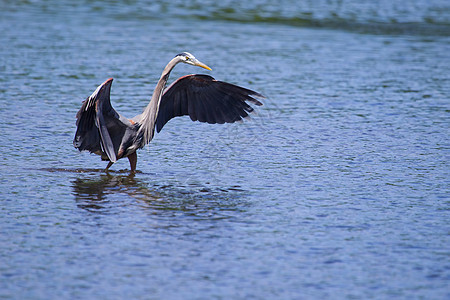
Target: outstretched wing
99 127
205 99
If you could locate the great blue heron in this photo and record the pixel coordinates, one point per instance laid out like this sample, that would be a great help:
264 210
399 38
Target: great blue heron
103 131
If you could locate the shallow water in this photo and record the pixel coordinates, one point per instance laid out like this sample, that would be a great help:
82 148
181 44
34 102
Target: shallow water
337 188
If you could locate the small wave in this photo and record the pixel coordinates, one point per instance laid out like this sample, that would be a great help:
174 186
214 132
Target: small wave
394 28
393 17
385 17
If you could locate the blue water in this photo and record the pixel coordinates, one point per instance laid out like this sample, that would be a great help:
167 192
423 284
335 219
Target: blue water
338 188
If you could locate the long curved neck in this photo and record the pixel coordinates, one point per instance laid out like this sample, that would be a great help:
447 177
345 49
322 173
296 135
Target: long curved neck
150 113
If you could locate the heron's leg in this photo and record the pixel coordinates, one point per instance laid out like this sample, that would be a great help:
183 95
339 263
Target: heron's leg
133 161
109 165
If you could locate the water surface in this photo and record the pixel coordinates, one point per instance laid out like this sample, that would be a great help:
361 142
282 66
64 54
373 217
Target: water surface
337 188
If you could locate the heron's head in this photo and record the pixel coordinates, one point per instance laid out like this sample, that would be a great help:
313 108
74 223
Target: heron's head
190 59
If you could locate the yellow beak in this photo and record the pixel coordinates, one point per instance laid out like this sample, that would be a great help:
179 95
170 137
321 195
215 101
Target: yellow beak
200 64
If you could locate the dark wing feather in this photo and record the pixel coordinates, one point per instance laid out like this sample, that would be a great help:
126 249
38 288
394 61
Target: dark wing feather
205 99
112 130
87 136
99 128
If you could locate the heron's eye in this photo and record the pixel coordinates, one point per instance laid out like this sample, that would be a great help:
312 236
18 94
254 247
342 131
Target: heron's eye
187 58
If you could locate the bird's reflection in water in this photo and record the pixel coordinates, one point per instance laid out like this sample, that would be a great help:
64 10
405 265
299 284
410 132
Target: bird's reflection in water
92 193
97 194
